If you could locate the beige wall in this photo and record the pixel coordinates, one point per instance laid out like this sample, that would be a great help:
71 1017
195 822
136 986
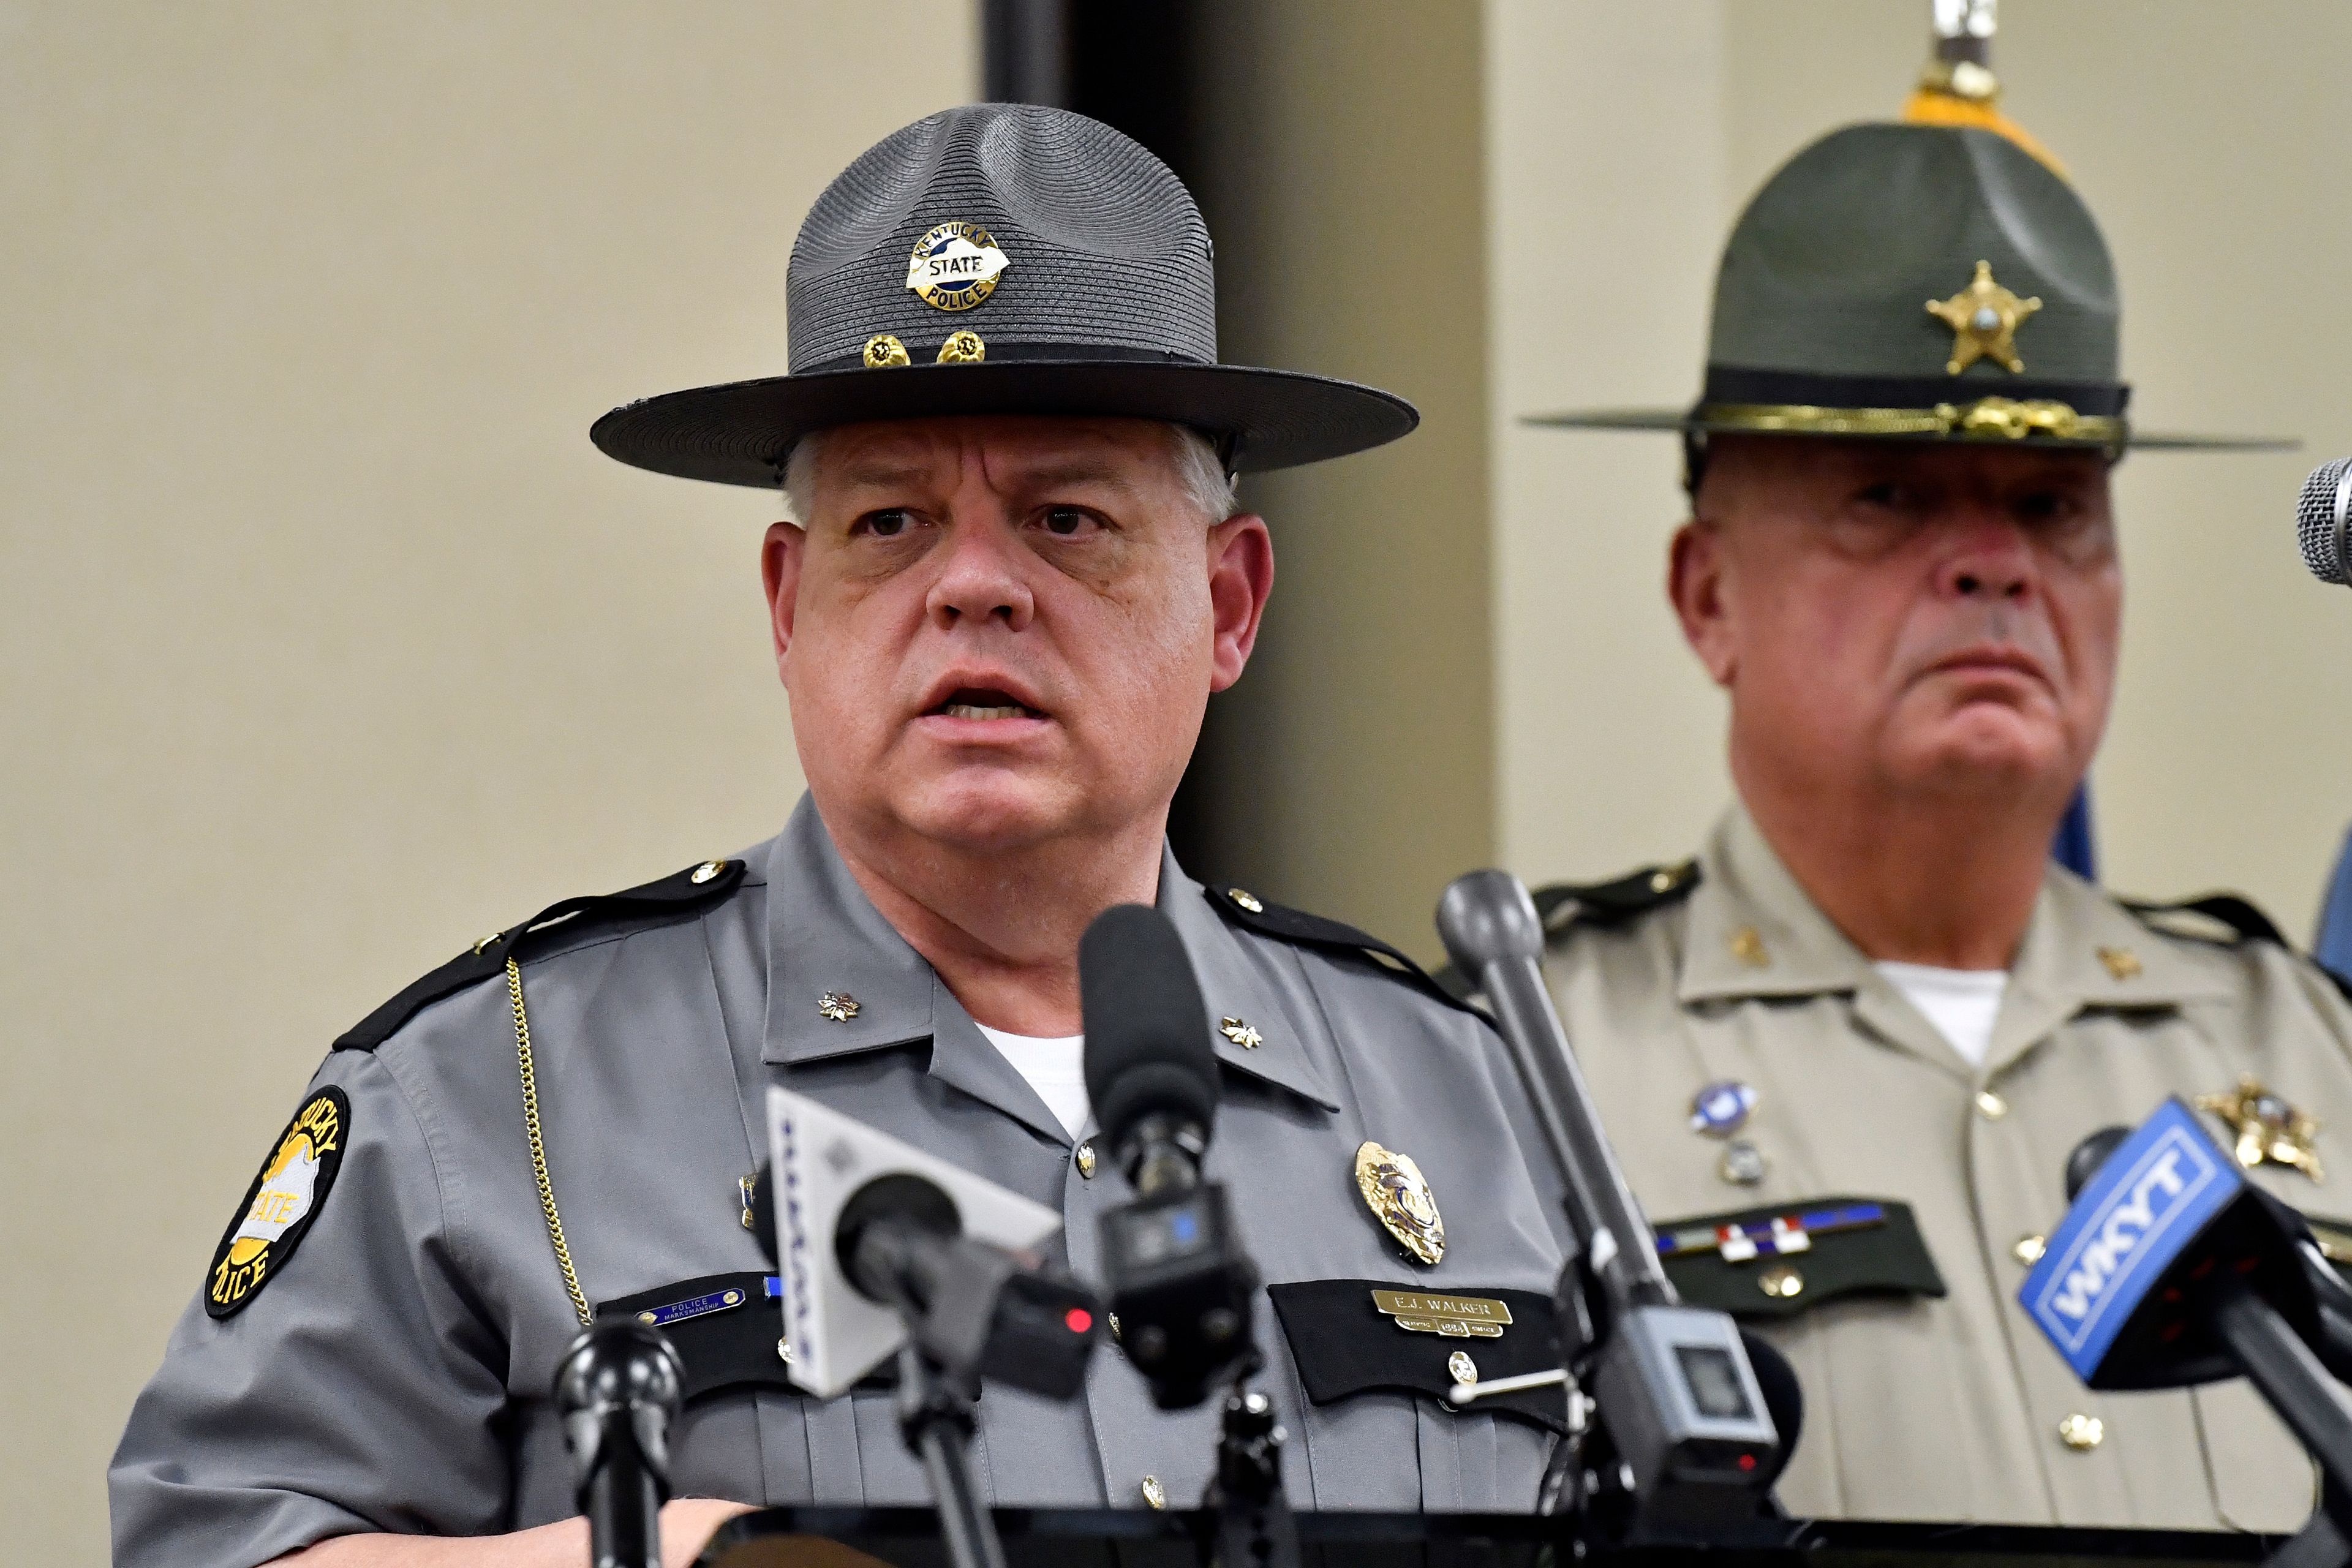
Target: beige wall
1352 769
328 641
2210 142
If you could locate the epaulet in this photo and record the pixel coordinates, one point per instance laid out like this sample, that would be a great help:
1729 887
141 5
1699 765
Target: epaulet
2233 913
677 894
1614 903
1565 904
1247 910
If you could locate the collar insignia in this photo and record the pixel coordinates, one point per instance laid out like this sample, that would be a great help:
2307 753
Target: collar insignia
1984 318
2268 1129
1399 1197
955 267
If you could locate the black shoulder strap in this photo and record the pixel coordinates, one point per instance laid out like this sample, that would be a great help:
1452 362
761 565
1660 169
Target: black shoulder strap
2237 915
678 894
1617 900
1564 904
2227 910
1247 910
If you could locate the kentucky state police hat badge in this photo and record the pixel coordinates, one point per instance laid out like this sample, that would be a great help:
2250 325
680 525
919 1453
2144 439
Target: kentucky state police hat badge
1001 258
279 1206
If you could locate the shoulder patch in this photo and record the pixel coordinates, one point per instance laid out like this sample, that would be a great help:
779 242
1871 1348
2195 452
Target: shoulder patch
1302 930
680 893
1614 903
285 1197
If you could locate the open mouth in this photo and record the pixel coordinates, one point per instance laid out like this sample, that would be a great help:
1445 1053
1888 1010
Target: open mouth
983 702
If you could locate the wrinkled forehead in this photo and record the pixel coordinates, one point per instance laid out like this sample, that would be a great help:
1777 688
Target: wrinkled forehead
1013 452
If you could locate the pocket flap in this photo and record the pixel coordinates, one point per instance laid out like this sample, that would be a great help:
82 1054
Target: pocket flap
1777 1262
1351 1336
729 1329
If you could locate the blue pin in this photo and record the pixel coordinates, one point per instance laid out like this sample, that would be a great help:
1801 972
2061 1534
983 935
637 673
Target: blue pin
1722 1108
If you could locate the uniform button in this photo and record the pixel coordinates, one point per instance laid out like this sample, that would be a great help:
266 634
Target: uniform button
1112 1317
1461 1368
1990 1106
1154 1493
2030 1248
2082 1433
706 871
784 1352
1085 1157
1780 1282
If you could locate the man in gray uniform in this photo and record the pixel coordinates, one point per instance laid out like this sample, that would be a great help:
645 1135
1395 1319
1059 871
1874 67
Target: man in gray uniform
1013 576
1847 1050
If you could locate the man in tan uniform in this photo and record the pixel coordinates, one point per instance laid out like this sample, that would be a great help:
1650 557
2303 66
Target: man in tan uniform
1846 1052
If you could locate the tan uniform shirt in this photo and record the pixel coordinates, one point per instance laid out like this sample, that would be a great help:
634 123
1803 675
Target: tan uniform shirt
1951 1407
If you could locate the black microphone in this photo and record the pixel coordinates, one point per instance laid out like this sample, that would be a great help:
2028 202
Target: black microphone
617 1390
2320 521
977 1310
1151 1074
1180 1281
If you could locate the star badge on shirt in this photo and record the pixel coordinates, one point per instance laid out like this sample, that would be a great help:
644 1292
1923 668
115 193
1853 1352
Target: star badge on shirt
2268 1129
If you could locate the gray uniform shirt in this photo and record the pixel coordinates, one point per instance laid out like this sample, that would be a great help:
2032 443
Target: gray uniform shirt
1921 1406
392 1372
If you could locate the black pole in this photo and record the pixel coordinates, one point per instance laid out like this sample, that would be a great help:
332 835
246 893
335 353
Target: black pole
935 1417
1026 50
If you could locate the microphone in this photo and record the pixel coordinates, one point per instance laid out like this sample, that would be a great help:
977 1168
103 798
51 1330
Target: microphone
1149 1072
2320 521
2171 1269
1180 1281
617 1390
1675 1386
979 1312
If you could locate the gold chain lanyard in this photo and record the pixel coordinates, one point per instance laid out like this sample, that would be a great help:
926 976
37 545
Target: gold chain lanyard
539 1147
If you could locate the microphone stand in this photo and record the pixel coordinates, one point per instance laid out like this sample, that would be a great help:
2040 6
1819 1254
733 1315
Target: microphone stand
937 1420
1254 1526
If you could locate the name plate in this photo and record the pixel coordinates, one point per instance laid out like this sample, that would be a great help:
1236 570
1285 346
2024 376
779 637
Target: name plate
1452 1317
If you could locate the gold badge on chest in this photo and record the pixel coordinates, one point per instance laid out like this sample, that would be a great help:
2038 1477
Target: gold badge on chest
2269 1130
1399 1197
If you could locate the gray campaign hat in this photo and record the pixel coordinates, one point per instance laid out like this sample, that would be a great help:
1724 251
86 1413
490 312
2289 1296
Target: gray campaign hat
1913 282
1001 258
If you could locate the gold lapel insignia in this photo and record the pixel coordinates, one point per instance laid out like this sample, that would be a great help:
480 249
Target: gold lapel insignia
1747 946
2122 963
1242 1033
838 1005
1399 1197
2268 1127
1984 318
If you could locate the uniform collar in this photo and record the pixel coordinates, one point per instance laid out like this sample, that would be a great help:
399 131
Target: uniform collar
1753 930
826 937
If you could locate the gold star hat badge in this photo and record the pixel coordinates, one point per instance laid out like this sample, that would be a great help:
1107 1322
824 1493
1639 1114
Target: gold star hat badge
2268 1129
1984 318
1399 1197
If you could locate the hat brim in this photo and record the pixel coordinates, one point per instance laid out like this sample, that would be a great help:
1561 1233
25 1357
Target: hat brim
740 433
1687 420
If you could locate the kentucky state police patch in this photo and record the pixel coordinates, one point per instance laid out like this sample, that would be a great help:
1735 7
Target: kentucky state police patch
284 1199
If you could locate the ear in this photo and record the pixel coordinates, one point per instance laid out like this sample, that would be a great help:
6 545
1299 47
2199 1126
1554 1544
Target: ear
781 554
1241 576
1696 566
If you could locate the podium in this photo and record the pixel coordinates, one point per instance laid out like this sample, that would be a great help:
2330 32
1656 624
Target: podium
1120 1538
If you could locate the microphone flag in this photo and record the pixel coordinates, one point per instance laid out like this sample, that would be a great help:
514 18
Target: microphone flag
821 1158
2140 1212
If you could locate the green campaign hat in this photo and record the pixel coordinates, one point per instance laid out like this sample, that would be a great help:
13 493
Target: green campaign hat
1913 282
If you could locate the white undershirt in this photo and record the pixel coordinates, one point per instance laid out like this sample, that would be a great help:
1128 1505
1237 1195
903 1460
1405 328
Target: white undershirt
1961 1002
1053 1069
